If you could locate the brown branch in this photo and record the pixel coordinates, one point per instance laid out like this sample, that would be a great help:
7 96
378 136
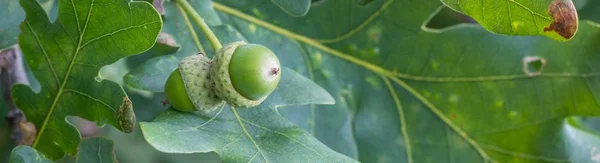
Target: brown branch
12 71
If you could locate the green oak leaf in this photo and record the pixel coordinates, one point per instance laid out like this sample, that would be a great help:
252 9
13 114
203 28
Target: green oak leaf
294 8
26 154
66 55
588 10
459 94
148 76
90 150
96 149
556 19
258 134
11 16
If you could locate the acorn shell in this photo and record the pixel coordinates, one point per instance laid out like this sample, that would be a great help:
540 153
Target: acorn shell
223 86
197 81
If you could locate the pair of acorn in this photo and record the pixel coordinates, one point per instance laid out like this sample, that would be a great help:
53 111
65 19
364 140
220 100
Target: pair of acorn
241 74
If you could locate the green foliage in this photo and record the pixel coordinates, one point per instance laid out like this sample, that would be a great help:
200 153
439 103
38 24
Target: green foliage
256 134
294 8
26 154
459 94
11 15
90 150
66 56
534 17
404 92
96 150
153 74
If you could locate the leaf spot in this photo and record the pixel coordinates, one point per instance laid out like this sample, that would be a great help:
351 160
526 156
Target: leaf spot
516 25
565 18
252 28
513 114
498 103
454 99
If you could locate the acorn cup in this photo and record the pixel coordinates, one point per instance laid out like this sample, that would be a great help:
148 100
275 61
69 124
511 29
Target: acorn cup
241 74
189 87
245 74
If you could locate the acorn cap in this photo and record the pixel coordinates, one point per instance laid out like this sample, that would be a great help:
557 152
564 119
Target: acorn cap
223 86
196 79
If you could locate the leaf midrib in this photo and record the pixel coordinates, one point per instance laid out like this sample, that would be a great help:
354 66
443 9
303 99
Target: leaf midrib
66 77
376 69
395 76
80 45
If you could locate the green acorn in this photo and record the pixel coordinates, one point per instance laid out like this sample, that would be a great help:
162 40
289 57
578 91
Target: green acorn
245 74
189 88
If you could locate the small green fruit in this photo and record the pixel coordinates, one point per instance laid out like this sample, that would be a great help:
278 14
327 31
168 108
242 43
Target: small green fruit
189 88
176 93
245 74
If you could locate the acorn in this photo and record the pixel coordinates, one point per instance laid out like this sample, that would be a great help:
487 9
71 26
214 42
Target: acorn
189 87
245 74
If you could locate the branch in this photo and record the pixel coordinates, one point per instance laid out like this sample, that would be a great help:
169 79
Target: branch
12 71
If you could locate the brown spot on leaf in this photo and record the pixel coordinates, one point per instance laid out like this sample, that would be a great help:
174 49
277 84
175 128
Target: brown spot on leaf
565 18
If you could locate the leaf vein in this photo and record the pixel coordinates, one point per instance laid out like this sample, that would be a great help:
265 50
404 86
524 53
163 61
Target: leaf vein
528 9
90 97
233 141
212 118
44 52
359 27
442 117
99 150
285 135
195 128
522 155
117 31
239 119
401 116
253 156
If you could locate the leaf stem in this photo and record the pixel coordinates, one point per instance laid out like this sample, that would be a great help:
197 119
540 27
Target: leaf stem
187 7
192 31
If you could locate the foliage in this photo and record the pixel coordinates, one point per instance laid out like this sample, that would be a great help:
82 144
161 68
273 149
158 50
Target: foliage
237 133
67 54
556 19
91 150
404 91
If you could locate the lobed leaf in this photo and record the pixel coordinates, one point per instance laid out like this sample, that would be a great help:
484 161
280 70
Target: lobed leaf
90 150
460 94
556 19
258 134
11 15
96 150
26 154
66 55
